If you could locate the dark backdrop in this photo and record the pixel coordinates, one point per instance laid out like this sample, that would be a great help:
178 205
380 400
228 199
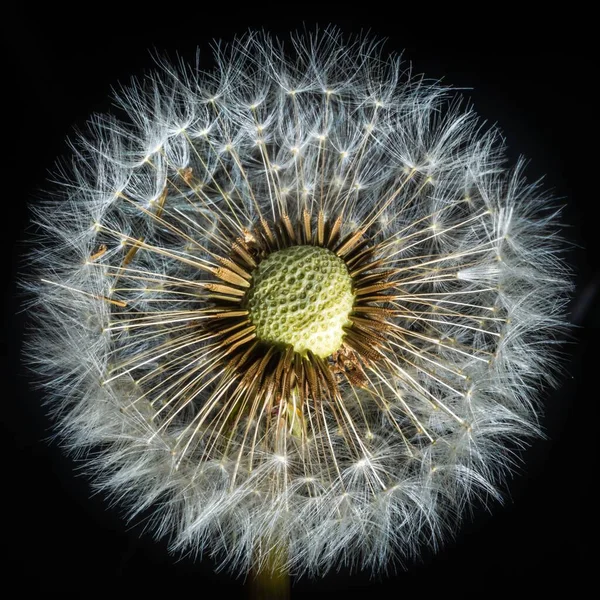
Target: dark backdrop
533 76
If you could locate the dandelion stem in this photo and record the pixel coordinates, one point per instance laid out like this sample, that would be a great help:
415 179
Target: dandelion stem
270 580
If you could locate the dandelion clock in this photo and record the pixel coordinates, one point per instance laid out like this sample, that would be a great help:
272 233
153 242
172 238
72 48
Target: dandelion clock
298 308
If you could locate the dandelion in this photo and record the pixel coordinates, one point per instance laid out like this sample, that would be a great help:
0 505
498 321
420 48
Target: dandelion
298 307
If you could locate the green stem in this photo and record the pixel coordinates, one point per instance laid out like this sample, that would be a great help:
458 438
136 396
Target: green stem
271 581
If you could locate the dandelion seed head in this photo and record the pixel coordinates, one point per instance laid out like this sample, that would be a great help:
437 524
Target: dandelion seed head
299 302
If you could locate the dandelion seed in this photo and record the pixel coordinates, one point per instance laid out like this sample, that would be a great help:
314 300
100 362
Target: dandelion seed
299 310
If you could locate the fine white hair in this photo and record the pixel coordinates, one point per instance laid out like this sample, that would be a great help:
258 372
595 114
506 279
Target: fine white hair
330 126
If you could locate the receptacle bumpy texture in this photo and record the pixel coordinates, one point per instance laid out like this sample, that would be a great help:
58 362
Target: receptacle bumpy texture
302 296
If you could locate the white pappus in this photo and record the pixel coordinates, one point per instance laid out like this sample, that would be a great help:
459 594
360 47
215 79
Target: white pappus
299 305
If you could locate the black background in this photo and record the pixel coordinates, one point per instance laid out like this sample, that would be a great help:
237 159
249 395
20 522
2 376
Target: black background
534 76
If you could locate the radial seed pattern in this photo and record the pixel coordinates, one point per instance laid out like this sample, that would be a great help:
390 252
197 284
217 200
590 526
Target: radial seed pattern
155 327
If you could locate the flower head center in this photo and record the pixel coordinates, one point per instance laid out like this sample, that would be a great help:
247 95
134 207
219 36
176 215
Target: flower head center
301 296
